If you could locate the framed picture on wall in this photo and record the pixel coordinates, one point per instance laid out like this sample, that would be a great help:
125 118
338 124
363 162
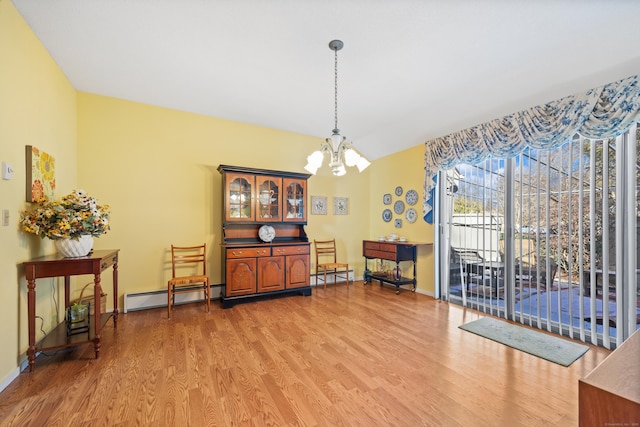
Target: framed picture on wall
340 206
319 205
41 177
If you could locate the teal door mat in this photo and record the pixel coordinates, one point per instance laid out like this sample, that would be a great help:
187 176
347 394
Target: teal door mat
548 347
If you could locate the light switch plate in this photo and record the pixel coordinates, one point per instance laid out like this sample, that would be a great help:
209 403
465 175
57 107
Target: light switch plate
5 217
7 170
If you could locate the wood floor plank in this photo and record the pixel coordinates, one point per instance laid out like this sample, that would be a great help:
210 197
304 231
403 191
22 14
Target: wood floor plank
341 357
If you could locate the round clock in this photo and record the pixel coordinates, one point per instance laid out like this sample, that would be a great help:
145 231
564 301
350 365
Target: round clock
266 233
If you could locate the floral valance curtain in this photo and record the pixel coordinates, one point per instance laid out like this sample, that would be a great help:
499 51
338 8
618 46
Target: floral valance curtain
603 112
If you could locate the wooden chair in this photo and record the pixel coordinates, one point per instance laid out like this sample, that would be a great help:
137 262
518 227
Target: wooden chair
190 283
326 262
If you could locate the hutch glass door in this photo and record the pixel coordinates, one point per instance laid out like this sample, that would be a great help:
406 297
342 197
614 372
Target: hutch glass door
269 198
239 195
295 192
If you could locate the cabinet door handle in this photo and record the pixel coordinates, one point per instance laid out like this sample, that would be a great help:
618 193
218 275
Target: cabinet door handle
236 253
261 252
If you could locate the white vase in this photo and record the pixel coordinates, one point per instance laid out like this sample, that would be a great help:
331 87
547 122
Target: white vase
74 248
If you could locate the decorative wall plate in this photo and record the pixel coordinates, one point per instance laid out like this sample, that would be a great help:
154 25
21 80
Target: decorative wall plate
398 223
411 215
411 197
386 215
398 191
386 199
398 207
267 233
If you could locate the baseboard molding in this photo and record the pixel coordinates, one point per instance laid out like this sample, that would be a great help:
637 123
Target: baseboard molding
13 375
158 298
423 292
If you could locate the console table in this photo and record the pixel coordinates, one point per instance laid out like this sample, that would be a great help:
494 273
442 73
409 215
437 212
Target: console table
57 266
390 251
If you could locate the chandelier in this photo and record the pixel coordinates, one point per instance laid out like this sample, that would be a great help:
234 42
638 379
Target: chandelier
340 152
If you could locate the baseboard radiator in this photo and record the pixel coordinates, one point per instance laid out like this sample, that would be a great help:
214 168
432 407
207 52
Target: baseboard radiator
156 299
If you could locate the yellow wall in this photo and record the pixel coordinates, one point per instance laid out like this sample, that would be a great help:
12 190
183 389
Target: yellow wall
37 107
404 169
157 169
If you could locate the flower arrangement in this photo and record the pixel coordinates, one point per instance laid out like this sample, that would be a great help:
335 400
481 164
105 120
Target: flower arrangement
75 215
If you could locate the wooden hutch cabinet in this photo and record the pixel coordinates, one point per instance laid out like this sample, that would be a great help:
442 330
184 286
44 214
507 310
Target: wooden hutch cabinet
265 248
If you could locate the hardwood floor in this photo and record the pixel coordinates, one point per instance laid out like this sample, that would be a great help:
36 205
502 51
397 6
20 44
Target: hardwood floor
341 357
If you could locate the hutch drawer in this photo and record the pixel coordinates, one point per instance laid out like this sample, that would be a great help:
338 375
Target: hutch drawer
290 250
248 252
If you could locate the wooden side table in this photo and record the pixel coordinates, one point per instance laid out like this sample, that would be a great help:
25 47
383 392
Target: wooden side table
390 251
57 266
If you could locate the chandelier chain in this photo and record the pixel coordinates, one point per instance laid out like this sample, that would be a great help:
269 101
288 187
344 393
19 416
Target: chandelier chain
335 93
341 153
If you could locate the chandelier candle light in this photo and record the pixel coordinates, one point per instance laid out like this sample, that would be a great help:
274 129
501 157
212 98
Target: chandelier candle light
342 153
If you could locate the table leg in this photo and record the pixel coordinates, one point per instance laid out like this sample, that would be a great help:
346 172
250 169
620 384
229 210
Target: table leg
367 272
415 281
31 314
115 293
97 292
67 292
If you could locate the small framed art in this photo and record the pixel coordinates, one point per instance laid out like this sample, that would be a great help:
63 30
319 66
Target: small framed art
318 205
340 206
41 178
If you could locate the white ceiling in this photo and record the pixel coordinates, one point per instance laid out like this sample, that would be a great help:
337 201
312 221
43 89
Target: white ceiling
411 70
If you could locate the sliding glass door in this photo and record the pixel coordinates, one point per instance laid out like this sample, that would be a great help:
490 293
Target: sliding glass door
548 238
